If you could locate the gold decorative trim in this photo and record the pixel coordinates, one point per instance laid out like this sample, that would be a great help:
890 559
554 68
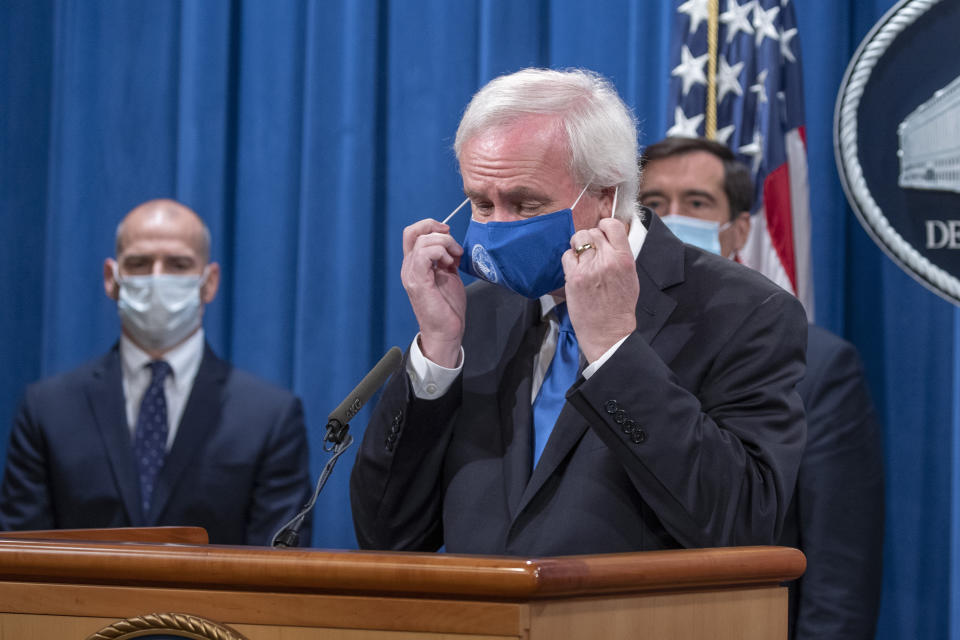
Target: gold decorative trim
178 624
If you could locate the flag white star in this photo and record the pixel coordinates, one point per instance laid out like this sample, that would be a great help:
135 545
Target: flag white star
764 23
728 79
760 87
684 126
785 38
736 18
697 10
723 135
754 149
690 69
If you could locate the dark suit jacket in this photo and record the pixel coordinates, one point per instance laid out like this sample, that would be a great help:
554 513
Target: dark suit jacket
689 435
836 517
238 466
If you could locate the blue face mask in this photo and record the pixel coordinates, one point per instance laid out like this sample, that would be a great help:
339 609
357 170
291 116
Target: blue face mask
704 234
521 255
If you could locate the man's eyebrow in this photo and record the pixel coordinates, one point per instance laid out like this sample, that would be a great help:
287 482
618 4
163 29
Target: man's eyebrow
525 193
517 193
698 193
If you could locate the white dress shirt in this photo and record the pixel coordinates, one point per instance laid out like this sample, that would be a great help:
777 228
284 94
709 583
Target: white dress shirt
430 381
184 361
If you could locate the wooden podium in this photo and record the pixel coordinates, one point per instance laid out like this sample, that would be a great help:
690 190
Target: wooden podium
74 584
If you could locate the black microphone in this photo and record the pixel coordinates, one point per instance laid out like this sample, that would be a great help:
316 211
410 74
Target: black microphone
339 439
339 419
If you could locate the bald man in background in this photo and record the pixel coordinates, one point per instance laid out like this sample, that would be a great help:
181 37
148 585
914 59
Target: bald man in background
159 431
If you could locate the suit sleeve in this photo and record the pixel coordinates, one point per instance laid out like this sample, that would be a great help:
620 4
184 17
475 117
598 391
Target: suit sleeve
840 503
395 483
25 496
716 462
282 484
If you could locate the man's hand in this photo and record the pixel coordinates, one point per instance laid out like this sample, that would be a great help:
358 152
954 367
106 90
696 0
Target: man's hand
601 287
429 275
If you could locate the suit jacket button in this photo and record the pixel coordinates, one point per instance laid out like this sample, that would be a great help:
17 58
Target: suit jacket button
628 426
638 436
620 416
397 416
611 406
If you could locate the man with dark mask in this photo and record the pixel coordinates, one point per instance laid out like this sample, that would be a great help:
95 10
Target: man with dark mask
159 431
603 388
836 517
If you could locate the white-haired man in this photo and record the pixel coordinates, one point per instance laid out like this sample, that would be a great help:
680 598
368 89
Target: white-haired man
607 388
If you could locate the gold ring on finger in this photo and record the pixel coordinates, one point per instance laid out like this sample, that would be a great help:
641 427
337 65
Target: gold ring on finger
583 247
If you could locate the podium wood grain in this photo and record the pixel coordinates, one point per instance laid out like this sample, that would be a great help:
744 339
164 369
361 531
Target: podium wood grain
70 588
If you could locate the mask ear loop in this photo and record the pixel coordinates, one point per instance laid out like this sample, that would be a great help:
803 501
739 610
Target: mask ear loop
726 225
579 196
447 219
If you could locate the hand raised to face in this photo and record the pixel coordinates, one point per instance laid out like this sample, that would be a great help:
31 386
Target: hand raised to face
601 286
437 295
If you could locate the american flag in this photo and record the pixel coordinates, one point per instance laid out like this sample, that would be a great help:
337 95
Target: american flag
759 115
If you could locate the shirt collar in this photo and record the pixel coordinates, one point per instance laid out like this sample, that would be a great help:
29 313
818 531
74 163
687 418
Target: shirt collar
636 237
184 359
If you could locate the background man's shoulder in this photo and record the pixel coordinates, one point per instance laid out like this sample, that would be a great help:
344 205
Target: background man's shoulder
243 384
72 380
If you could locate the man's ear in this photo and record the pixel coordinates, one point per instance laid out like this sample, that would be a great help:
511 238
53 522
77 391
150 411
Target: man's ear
209 290
110 285
741 229
606 200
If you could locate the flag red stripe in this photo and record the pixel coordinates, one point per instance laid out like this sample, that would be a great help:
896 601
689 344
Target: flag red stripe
776 204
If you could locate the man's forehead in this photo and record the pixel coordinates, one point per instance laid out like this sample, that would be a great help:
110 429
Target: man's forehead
161 229
159 246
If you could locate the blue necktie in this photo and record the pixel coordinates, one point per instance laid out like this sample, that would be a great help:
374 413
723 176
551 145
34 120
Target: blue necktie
150 442
561 374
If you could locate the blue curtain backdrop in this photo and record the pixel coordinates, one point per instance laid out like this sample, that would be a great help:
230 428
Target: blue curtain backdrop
308 134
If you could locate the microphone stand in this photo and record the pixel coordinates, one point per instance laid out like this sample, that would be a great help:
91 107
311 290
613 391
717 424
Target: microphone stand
339 440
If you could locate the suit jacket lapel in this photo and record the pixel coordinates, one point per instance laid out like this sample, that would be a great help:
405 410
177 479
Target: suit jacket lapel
200 417
659 266
566 433
522 331
105 394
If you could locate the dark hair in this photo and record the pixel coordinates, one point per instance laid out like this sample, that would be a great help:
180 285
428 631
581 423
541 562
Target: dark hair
737 181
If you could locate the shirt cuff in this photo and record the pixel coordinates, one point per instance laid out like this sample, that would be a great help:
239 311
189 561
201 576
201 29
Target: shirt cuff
429 380
596 364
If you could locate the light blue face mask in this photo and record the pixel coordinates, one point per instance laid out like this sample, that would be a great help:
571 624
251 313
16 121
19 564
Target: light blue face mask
704 234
